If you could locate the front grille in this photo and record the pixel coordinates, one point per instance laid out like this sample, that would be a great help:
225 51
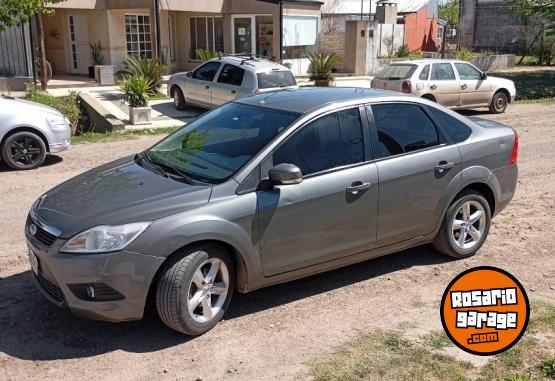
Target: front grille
44 237
50 288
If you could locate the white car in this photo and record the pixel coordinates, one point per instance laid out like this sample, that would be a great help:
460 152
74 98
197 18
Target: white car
454 84
30 131
227 78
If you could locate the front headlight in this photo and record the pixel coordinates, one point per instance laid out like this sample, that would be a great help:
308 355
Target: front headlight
57 122
103 239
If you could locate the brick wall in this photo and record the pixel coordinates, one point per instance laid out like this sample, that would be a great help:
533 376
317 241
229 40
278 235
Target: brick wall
332 42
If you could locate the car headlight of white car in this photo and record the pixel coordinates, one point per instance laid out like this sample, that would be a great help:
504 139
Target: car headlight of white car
57 122
104 239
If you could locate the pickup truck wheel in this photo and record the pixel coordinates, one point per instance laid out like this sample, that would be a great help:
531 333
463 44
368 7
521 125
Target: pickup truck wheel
195 289
499 103
24 150
465 225
178 98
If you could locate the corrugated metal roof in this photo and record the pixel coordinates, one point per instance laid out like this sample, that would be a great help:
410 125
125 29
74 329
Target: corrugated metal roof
353 6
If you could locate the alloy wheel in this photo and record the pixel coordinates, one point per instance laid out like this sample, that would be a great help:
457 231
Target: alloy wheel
469 225
25 151
208 290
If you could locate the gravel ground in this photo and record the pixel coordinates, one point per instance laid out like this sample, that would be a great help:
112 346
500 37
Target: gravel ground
271 333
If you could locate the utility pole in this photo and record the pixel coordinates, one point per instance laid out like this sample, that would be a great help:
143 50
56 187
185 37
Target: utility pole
361 9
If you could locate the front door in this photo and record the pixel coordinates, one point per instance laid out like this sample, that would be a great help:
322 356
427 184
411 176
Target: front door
475 91
444 85
332 213
242 35
415 168
78 44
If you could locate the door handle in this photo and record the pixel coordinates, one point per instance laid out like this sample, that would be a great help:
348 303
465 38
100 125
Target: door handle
207 87
358 186
444 166
233 92
464 86
433 87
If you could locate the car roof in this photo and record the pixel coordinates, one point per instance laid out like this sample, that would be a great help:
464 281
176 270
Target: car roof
425 61
306 99
257 65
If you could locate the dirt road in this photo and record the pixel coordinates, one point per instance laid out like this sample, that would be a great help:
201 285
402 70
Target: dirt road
271 333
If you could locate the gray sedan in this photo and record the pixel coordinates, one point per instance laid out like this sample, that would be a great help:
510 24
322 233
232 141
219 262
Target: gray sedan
265 190
29 132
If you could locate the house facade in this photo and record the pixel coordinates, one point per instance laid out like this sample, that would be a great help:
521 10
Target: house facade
128 27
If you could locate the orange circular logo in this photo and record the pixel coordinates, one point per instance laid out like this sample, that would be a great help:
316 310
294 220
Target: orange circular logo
485 310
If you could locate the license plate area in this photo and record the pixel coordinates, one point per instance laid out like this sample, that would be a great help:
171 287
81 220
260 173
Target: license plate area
34 261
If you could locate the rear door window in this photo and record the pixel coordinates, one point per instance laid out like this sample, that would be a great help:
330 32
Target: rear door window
442 72
425 73
453 129
402 128
396 72
231 75
278 78
207 72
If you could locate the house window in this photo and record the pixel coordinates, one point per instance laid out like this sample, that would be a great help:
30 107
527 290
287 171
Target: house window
205 33
300 34
137 34
171 33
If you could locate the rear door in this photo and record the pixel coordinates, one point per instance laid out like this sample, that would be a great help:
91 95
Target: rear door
444 85
228 86
415 166
475 91
198 88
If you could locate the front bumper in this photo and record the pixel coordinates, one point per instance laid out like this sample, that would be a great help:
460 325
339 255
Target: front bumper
61 146
59 275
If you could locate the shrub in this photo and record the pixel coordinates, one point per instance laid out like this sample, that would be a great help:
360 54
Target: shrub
465 54
153 70
136 90
544 50
67 105
206 55
97 57
403 51
322 66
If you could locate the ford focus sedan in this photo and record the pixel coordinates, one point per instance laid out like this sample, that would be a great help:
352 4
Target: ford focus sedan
265 190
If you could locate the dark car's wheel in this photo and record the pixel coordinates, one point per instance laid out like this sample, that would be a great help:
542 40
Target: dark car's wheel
465 225
24 150
178 98
499 103
195 289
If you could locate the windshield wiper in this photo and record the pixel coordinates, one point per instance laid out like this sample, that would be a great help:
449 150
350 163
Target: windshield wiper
166 170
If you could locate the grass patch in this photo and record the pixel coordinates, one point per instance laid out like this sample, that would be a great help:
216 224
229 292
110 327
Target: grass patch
385 355
100 137
532 84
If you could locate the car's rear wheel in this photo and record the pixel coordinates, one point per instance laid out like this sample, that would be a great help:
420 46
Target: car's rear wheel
429 97
499 103
195 289
24 150
465 225
178 98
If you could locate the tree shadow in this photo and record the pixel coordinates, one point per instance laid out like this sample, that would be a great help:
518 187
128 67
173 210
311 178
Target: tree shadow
34 329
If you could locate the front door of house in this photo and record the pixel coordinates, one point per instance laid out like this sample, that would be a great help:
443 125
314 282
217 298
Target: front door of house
242 34
78 44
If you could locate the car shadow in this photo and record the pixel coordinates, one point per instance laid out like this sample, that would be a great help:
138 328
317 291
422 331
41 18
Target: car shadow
474 112
34 329
50 160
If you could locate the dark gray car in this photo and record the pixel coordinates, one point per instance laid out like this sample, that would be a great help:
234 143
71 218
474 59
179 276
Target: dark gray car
264 190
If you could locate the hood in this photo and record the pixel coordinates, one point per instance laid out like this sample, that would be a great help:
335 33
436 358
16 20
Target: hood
502 82
26 106
116 193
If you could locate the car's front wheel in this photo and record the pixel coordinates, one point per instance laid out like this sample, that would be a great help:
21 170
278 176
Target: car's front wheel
24 150
465 225
195 289
499 103
178 98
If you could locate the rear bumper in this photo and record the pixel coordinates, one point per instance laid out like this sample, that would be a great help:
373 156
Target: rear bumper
128 274
507 178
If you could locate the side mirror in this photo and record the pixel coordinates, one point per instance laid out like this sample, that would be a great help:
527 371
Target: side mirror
189 74
484 76
285 174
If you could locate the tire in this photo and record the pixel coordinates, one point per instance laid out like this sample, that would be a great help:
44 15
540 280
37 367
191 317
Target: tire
178 98
178 287
448 242
499 103
24 150
430 98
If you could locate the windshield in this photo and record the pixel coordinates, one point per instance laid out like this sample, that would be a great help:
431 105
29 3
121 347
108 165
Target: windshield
215 146
396 72
274 79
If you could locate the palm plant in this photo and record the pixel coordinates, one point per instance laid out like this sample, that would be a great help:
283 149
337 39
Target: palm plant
152 69
96 53
322 66
136 90
466 54
206 55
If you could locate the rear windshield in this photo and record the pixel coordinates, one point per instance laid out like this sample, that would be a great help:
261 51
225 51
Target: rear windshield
396 71
273 79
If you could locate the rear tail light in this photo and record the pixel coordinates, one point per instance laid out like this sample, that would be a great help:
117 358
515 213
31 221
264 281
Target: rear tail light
407 87
514 152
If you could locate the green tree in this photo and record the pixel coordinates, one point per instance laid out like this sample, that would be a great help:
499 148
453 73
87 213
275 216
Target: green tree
17 12
449 11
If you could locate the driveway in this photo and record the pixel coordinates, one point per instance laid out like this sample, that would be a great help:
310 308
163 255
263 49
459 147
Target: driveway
271 333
